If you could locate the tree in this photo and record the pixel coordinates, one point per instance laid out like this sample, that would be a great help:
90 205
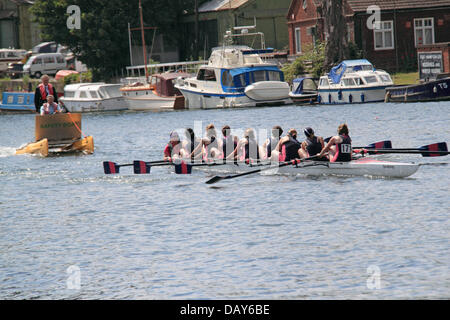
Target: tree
102 41
335 26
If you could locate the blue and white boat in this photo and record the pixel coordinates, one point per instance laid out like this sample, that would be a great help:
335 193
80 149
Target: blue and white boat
353 81
235 76
17 102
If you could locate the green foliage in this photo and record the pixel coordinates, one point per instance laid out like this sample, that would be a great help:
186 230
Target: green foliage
311 61
354 51
102 42
75 77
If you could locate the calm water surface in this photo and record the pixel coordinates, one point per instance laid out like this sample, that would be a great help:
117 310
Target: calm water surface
164 236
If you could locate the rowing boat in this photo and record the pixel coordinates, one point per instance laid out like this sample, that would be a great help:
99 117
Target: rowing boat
360 167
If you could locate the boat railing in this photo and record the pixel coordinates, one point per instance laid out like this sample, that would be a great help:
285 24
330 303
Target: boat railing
186 66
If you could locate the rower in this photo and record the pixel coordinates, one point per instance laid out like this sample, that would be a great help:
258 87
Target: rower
173 148
339 147
229 142
288 147
210 143
312 145
190 144
271 143
247 148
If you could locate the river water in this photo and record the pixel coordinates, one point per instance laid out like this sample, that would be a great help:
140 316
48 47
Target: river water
68 231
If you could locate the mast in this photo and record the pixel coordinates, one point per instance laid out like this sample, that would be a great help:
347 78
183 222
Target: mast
143 41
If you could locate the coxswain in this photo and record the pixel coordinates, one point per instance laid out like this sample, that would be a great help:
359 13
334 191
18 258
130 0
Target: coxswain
312 145
173 148
339 147
288 147
270 144
247 148
210 144
229 142
190 144
50 107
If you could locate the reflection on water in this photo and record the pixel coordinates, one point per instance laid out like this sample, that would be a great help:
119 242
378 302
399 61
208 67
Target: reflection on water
163 236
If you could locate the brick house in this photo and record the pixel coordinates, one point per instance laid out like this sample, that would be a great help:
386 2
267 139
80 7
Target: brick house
405 26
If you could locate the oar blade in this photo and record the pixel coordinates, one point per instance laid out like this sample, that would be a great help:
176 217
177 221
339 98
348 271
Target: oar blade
110 167
141 167
441 147
183 168
387 144
214 179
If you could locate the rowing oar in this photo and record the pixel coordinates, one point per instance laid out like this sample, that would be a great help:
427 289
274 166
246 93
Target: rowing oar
431 150
110 167
293 162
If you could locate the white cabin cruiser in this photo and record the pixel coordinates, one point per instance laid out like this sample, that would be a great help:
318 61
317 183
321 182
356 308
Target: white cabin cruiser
353 81
93 97
235 76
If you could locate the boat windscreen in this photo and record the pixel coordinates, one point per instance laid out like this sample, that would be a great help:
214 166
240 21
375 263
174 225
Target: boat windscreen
111 91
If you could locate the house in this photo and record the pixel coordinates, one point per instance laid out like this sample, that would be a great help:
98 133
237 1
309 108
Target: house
392 45
218 16
17 29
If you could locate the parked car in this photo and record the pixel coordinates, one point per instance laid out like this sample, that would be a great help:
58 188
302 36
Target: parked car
8 56
45 63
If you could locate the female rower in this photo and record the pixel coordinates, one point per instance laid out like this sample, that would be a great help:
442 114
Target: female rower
339 147
173 149
210 144
190 144
247 148
229 142
312 145
270 144
288 147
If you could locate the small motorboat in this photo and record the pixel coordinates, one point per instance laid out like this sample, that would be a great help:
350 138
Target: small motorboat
57 134
19 102
303 91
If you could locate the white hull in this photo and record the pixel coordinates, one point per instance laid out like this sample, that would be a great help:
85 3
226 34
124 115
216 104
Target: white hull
197 100
267 90
362 167
94 105
147 100
332 96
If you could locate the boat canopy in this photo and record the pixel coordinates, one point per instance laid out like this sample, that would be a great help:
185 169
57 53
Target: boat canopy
236 79
301 84
258 51
337 72
238 71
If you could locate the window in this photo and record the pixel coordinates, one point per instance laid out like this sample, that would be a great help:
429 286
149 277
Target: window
324 82
348 82
259 75
424 31
371 79
384 36
206 75
274 76
93 94
49 60
305 4
37 61
227 79
298 43
69 94
358 81
60 59
385 78
20 99
83 94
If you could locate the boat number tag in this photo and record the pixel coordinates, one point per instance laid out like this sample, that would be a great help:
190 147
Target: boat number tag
346 148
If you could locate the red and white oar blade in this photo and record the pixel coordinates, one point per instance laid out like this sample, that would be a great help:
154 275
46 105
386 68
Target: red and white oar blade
110 167
441 147
141 167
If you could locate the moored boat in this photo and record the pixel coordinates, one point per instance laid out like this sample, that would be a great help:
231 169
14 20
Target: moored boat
353 81
236 76
17 102
93 97
304 91
437 90
56 134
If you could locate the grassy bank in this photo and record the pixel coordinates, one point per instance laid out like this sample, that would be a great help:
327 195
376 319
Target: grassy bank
405 78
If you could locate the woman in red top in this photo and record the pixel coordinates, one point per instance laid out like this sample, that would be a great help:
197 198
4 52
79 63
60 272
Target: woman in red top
173 148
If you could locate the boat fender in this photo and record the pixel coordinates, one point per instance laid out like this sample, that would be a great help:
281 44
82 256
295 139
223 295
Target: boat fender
319 98
434 89
340 94
350 98
362 97
329 98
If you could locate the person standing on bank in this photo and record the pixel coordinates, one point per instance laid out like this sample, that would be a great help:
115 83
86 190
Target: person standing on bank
42 91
